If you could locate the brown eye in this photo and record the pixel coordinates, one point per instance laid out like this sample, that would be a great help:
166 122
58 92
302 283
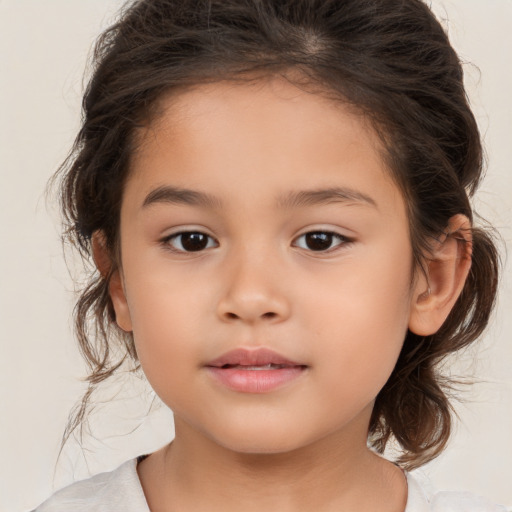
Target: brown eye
320 240
190 241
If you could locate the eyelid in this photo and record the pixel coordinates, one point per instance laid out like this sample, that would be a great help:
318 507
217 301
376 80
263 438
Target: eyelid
166 240
344 240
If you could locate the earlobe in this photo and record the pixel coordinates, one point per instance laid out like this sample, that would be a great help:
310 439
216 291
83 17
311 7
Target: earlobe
118 296
446 271
113 276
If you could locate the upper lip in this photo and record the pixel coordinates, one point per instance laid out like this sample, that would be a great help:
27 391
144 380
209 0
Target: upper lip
254 357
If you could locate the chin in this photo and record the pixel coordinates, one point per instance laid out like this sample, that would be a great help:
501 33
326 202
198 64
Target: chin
263 441
264 447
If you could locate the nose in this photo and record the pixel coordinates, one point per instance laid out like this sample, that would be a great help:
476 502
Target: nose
254 291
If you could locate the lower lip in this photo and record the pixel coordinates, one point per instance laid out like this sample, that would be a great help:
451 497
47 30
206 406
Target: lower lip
256 381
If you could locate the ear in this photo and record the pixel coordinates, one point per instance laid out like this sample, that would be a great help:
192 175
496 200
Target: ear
448 267
113 275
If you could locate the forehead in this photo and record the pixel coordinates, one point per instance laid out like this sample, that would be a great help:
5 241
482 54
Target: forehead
269 133
221 112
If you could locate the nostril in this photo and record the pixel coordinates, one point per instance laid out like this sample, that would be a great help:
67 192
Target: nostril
233 316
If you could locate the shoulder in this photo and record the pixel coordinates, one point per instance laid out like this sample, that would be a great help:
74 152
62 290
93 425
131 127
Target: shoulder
114 490
423 498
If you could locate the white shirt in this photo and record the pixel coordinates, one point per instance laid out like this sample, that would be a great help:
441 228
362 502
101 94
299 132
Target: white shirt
121 491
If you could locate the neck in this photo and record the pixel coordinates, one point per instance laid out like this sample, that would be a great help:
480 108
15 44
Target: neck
194 473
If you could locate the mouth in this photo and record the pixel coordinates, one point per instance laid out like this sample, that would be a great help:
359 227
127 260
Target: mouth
255 359
269 366
254 371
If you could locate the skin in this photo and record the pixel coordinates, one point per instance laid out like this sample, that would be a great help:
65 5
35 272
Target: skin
343 312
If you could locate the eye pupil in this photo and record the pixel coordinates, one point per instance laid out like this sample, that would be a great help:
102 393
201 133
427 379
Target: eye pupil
319 241
194 241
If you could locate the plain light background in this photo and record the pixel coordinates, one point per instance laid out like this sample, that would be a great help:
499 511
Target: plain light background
43 49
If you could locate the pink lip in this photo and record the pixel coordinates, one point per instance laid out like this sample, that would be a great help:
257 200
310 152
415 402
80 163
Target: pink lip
227 369
246 357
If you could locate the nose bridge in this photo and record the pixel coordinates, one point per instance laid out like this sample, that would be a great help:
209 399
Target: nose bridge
253 289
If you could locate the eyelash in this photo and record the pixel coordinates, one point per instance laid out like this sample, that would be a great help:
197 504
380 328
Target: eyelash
343 241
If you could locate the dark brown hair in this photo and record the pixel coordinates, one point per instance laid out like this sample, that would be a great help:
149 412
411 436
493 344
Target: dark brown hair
390 59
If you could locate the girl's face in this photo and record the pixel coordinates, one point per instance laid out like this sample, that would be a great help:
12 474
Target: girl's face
263 217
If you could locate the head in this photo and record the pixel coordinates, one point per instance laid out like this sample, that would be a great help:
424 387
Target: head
387 70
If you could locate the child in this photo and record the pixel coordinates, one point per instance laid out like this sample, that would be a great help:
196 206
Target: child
276 197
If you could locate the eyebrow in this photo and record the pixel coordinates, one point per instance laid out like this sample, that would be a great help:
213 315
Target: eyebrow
176 195
324 196
296 199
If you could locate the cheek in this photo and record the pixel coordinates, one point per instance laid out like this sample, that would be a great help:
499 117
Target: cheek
362 320
166 331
